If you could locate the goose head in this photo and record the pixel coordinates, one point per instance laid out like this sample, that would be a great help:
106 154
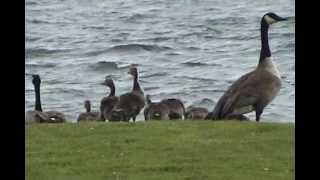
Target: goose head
148 99
107 82
87 105
270 18
133 71
36 80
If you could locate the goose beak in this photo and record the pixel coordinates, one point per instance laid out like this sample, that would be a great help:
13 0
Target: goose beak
282 19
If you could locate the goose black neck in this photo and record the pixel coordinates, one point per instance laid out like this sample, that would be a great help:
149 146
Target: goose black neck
38 101
88 108
136 86
112 90
265 50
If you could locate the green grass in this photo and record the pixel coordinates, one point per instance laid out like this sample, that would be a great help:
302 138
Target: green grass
188 150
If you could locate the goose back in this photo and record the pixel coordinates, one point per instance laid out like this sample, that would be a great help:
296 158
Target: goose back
196 113
176 108
156 110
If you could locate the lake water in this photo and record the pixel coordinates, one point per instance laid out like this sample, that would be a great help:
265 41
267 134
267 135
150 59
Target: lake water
187 49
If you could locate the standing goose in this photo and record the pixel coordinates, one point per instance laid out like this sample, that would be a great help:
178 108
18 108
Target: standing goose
256 89
109 102
176 108
88 115
156 110
130 104
37 115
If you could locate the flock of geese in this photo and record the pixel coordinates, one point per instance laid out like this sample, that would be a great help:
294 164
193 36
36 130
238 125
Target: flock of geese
251 92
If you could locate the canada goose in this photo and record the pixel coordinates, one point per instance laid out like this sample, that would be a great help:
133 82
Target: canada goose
109 102
130 104
256 89
37 115
176 108
196 113
156 110
88 115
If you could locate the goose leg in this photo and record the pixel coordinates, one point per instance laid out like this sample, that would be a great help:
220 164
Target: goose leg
259 111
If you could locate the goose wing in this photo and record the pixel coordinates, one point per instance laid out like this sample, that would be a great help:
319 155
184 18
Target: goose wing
240 94
36 116
56 116
108 103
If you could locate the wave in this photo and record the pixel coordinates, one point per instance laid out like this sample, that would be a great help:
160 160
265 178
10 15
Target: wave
136 17
129 48
31 39
173 54
158 39
104 65
150 88
138 47
196 78
42 52
155 75
46 65
192 48
37 21
192 64
31 3
96 27
227 21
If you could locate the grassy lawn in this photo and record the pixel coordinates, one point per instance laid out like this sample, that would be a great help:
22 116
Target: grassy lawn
188 150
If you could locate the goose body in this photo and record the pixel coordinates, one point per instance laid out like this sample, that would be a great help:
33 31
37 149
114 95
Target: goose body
130 104
88 115
109 102
156 110
176 108
196 113
37 115
256 89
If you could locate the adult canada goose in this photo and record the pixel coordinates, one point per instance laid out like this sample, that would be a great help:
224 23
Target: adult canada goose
156 110
256 89
109 102
130 104
37 115
88 115
176 108
196 113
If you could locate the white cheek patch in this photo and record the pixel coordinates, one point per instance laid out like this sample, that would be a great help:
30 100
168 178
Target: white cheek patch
269 19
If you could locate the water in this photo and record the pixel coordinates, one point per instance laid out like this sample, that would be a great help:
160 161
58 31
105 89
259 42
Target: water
188 49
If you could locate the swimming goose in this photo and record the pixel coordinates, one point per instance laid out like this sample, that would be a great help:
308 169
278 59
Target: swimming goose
176 108
196 113
38 115
88 115
130 104
109 102
155 110
256 89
